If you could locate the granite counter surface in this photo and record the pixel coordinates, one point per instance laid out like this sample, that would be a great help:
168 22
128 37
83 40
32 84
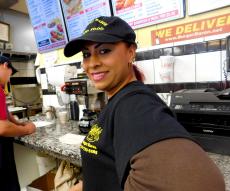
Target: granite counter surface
46 140
223 162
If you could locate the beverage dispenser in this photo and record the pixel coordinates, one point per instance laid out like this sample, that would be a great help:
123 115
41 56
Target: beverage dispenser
88 102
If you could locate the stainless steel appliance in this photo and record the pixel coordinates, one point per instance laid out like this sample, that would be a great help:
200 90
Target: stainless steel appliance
89 101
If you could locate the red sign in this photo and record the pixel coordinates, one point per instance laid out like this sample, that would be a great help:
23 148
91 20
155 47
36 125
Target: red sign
201 28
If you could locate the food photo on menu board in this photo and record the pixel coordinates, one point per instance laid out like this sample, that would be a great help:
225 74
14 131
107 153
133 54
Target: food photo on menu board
48 24
78 14
72 7
56 30
121 4
142 13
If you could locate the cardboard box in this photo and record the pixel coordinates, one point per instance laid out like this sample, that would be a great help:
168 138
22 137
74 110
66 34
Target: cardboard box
43 183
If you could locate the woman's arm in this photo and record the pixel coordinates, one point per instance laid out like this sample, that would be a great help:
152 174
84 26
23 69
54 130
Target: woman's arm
173 165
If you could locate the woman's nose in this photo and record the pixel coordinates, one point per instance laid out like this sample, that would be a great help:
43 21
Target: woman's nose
94 61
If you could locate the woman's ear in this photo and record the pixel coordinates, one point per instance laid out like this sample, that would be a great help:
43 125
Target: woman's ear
5 65
132 51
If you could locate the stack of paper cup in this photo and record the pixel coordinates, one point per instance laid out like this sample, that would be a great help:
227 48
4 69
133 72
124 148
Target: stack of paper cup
167 68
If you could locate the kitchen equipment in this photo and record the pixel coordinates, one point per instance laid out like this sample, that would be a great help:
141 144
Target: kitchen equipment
89 101
205 113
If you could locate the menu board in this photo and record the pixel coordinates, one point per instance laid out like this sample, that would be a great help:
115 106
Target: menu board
48 24
141 13
78 14
195 7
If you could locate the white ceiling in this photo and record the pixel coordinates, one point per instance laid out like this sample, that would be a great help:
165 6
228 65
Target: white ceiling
20 6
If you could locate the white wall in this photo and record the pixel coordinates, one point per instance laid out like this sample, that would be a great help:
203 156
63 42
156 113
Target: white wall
21 31
26 164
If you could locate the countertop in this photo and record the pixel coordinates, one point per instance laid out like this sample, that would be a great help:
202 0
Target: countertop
46 140
223 162
15 109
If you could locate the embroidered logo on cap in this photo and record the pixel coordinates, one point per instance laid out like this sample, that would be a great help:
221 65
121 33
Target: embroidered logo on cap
103 23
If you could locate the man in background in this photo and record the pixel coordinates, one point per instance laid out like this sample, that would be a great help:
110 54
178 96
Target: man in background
9 128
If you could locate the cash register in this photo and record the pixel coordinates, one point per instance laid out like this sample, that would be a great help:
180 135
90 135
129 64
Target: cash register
205 113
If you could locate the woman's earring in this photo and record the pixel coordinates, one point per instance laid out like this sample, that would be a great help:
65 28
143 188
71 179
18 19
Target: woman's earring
129 64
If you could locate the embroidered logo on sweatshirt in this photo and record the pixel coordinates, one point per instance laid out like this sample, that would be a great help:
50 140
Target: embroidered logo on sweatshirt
93 136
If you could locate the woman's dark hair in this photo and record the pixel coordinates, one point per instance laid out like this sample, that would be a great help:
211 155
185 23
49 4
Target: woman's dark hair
139 75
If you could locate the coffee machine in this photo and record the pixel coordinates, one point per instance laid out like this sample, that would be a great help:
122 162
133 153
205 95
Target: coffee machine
89 101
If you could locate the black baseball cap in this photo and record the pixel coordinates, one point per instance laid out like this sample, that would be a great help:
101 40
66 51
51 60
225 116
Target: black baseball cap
4 59
102 29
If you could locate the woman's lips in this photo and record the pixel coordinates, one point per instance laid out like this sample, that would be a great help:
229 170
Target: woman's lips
98 76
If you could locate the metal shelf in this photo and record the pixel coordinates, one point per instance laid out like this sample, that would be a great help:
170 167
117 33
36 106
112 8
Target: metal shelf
18 56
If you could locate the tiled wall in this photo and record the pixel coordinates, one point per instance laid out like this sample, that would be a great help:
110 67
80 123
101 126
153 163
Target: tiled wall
197 65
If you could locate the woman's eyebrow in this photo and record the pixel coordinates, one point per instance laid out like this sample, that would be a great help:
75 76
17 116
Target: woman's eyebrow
96 46
85 48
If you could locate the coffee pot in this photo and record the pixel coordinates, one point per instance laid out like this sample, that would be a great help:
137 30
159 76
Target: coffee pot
87 121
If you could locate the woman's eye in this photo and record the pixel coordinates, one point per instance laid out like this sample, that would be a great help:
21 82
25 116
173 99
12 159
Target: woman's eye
86 54
104 51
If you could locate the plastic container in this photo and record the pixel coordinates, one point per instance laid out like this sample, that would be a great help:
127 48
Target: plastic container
74 111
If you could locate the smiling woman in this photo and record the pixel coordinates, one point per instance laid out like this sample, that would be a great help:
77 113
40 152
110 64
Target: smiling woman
136 144
107 65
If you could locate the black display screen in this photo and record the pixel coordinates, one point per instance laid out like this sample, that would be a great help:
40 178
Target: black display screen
228 53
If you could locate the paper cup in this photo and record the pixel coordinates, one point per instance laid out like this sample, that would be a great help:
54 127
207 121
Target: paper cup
167 68
63 117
